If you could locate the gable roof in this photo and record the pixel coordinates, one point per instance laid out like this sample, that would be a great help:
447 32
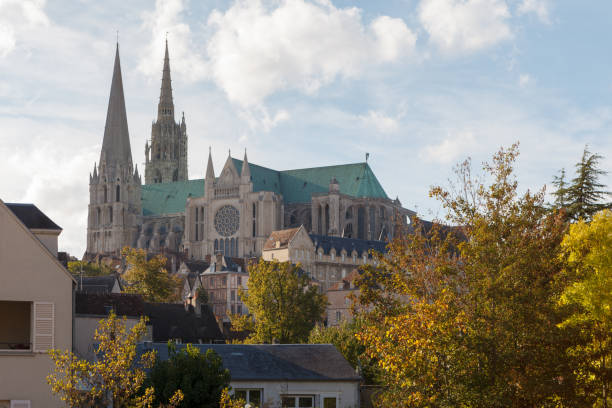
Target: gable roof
355 180
362 246
296 186
283 237
32 217
97 284
172 321
275 362
36 240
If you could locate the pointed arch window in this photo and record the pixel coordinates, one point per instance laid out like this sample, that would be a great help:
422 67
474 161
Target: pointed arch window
118 193
216 245
110 215
105 194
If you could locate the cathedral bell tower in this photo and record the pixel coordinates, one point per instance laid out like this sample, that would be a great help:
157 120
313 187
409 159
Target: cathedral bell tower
166 156
114 186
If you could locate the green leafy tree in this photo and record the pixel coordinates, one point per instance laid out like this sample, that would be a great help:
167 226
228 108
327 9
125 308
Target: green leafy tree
473 322
201 377
284 306
115 377
587 249
344 338
585 194
89 268
149 278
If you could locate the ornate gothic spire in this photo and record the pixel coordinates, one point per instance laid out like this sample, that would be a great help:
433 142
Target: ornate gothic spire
165 108
116 143
245 174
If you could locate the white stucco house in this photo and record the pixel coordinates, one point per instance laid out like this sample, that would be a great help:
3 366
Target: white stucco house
284 375
36 306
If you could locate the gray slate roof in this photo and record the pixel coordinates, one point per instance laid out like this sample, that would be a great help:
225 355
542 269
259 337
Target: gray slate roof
32 217
96 284
275 362
348 244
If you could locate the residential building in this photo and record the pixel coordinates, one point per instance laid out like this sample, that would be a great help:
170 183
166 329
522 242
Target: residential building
222 280
325 258
339 302
91 307
35 306
284 375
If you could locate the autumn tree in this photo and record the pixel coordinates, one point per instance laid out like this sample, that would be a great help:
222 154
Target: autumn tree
226 400
149 278
115 377
89 268
587 249
201 377
585 194
343 337
466 316
283 304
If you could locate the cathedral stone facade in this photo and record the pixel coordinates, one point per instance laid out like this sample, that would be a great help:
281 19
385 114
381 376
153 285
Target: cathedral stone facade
233 213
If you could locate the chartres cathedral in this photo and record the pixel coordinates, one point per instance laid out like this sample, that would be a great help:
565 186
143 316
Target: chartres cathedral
232 212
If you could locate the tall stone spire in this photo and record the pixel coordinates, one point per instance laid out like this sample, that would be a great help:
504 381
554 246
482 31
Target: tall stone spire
165 108
116 143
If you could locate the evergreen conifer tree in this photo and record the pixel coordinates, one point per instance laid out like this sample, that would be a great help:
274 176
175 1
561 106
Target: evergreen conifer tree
585 194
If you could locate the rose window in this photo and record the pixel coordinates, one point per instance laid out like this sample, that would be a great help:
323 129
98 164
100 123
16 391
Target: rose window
227 220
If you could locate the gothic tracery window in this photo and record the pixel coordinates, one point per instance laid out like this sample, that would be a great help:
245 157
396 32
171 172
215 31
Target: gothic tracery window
227 220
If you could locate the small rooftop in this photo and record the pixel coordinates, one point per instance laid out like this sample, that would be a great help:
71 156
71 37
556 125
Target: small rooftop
280 239
32 217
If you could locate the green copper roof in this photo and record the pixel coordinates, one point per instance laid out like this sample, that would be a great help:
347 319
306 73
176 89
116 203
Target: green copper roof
296 186
263 178
169 198
356 179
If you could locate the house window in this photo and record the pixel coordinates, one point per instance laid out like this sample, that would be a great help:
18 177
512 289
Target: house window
233 297
239 281
297 401
252 397
15 325
239 309
330 402
338 316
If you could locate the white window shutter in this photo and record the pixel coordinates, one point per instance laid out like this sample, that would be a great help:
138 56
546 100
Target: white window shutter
44 326
20 404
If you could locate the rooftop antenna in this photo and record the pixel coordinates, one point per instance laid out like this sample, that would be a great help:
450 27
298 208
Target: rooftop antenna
367 157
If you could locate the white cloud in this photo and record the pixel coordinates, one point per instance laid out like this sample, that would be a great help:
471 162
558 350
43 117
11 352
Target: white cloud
256 51
465 25
524 80
539 7
16 17
454 146
185 60
379 121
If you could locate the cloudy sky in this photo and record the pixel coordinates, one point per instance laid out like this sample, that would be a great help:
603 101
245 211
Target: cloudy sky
419 84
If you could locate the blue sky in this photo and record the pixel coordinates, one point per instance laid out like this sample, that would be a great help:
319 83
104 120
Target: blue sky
419 84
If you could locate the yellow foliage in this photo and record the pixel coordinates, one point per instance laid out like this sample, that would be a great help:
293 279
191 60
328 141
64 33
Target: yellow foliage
115 376
149 278
227 401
